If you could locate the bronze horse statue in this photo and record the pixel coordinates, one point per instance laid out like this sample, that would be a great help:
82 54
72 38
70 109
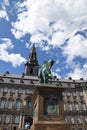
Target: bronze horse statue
45 71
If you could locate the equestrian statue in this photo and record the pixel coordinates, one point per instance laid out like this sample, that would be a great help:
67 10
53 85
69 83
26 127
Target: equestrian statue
45 71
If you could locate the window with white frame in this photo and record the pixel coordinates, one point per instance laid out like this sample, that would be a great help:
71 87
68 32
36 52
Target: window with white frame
2 103
74 94
67 93
70 107
18 105
79 120
27 91
80 93
10 103
12 90
76 106
20 90
5 89
72 120
30 105
7 119
63 93
83 106
16 119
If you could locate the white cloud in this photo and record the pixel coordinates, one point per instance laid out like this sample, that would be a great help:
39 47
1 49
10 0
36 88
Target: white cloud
3 12
78 73
76 47
51 20
14 59
56 74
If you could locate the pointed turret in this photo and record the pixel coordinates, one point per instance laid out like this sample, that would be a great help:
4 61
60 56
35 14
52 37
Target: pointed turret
31 66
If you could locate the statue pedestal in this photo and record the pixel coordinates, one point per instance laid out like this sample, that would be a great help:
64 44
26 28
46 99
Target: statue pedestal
48 125
48 113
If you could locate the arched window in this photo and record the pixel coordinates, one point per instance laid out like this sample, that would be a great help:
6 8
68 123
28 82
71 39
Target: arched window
29 103
18 104
10 103
2 102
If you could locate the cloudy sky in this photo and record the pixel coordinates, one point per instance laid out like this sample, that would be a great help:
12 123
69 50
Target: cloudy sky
58 29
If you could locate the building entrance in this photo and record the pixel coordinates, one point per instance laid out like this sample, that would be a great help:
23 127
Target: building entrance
28 122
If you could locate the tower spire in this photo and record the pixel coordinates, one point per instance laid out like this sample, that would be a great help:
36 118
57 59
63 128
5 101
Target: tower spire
31 66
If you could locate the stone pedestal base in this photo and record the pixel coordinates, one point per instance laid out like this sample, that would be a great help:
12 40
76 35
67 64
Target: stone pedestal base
48 125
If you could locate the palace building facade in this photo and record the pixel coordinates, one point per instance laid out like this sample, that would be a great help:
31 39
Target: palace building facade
16 107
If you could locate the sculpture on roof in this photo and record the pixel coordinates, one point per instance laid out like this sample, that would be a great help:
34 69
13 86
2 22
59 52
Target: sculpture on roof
45 71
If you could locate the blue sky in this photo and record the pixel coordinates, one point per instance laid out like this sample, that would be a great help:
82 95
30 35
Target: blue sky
56 27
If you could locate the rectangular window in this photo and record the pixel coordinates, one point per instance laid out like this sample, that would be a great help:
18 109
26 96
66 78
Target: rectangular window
27 91
20 90
79 120
30 107
83 107
16 119
76 107
68 93
18 105
2 103
12 90
74 94
80 94
72 120
70 107
7 119
5 89
10 105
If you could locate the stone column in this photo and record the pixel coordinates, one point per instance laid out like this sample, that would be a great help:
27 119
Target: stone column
23 121
20 121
